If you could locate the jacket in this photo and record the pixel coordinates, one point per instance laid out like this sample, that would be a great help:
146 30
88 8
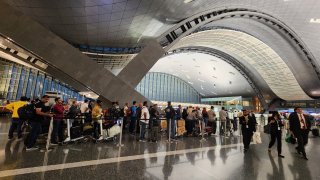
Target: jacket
14 107
248 126
276 126
294 123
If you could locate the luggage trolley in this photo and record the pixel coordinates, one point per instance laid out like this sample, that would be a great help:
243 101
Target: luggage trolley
78 130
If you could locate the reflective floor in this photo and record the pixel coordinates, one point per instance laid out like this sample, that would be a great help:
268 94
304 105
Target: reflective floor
189 158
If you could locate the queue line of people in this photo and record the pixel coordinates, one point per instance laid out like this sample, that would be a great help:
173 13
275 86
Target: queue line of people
142 116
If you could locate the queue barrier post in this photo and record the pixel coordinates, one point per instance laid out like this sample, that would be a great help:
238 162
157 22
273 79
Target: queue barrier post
120 140
169 133
47 149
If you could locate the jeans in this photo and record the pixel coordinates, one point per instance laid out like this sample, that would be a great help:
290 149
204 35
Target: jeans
205 119
132 124
235 124
142 130
223 127
16 124
57 131
33 134
173 128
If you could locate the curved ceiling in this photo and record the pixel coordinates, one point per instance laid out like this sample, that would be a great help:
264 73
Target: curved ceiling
250 49
209 75
124 22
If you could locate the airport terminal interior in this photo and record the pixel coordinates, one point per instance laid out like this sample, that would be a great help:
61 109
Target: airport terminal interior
160 89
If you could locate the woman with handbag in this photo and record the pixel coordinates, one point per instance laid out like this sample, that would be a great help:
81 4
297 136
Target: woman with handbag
276 132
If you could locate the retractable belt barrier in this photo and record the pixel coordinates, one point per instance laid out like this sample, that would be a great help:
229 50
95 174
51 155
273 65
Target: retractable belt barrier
82 118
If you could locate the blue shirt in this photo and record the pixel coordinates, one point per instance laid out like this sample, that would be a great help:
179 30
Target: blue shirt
133 111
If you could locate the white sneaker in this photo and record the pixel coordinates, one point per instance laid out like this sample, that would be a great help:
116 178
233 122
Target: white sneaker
31 149
53 144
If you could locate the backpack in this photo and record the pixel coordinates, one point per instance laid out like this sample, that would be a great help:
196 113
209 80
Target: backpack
27 112
121 113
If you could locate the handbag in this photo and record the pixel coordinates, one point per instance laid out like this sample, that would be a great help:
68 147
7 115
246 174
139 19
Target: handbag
290 139
266 129
256 138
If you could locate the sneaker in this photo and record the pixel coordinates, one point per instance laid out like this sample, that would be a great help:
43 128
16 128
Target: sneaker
142 140
10 138
281 156
32 149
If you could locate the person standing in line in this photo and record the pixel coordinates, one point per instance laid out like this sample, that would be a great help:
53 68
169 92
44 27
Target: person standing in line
179 113
248 127
170 116
205 116
139 110
133 119
41 111
300 126
212 119
223 120
125 115
16 122
154 123
57 130
276 132
84 108
144 120
190 120
235 120
96 115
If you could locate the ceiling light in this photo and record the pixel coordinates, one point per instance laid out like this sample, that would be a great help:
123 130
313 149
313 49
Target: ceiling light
214 93
190 82
314 20
188 1
201 80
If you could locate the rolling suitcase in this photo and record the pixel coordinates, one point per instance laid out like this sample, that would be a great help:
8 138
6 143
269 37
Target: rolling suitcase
75 132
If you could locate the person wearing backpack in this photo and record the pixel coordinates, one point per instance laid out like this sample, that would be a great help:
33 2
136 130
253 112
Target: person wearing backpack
16 122
36 123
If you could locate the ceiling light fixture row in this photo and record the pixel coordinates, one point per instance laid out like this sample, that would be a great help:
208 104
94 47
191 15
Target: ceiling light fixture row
227 58
195 22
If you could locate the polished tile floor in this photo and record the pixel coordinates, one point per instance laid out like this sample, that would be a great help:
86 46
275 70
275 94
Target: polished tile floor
189 158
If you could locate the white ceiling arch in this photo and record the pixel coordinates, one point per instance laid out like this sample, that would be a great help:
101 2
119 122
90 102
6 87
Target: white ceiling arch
264 59
208 74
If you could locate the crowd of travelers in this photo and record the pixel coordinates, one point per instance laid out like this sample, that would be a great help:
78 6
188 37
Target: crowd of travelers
140 118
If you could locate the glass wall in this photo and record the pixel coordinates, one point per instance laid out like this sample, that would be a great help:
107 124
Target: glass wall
165 87
17 80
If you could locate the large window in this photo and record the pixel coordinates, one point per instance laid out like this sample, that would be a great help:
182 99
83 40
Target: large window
165 87
17 80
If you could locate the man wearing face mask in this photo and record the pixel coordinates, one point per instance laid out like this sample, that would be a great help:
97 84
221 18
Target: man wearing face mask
248 127
300 126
